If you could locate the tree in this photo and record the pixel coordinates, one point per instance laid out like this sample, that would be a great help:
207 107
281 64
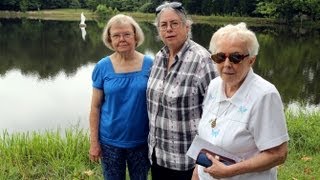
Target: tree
23 5
266 9
34 4
74 4
9 5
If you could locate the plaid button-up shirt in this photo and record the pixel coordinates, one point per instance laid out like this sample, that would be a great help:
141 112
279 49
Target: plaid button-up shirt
174 99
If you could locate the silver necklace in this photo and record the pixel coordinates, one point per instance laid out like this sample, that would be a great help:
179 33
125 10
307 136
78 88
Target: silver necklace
213 121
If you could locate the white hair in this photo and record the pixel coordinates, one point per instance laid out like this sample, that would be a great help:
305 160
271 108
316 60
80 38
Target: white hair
238 31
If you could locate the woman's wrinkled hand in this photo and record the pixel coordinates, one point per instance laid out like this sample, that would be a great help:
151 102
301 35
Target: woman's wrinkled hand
217 169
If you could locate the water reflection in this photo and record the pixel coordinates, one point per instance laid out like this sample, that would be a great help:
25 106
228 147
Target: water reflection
28 103
83 26
83 33
46 67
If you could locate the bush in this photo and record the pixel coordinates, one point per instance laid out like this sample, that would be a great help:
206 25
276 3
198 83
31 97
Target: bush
74 4
23 5
147 8
104 12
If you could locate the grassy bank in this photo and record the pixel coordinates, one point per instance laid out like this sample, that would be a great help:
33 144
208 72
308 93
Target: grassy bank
56 14
64 155
49 155
304 147
74 15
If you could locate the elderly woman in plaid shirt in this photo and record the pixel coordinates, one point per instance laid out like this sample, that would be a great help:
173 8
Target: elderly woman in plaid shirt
177 84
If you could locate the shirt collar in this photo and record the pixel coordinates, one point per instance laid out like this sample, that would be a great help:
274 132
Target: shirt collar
185 47
238 98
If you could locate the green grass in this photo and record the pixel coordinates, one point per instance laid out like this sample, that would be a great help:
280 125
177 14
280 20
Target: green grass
64 155
48 155
74 14
55 14
304 147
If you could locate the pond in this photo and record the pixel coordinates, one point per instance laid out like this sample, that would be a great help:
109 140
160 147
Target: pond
45 70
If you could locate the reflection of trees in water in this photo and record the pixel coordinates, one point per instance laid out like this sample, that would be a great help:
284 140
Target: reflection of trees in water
45 48
150 42
291 61
287 58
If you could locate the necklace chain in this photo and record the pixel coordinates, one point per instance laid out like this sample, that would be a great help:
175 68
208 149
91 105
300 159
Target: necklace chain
213 122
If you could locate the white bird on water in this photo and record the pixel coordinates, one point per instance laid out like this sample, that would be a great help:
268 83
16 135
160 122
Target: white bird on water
82 20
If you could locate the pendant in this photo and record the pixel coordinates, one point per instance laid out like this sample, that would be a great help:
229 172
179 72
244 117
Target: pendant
213 122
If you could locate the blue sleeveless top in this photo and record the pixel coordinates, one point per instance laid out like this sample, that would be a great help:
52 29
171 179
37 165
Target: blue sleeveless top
123 118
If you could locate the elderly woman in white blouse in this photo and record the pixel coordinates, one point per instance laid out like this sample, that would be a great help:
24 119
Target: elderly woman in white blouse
243 113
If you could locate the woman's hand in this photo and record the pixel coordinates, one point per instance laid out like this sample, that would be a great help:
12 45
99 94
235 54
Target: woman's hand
95 152
195 175
96 101
264 160
217 169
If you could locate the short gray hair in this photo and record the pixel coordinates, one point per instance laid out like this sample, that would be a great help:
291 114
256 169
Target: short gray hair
122 19
239 31
180 12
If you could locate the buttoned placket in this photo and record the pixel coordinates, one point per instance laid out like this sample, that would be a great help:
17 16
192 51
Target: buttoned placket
159 109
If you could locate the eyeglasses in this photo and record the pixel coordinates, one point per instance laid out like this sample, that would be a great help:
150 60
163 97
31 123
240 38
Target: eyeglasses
174 5
173 25
235 57
117 36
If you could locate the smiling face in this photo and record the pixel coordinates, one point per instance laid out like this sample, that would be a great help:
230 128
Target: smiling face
172 30
122 38
233 74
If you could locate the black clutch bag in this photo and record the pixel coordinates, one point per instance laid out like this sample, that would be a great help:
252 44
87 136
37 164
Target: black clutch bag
203 160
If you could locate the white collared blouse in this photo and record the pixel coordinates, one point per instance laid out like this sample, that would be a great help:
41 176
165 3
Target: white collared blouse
251 121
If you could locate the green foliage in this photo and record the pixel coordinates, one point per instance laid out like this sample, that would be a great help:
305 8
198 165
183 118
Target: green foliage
83 3
104 12
92 4
284 11
74 4
266 9
47 155
147 8
9 5
23 5
54 4
34 4
288 10
304 132
304 146
125 5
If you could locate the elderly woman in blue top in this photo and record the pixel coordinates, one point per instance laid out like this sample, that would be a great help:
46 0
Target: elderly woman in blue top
178 81
243 113
118 117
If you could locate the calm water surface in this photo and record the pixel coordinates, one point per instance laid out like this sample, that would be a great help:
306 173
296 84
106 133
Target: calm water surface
45 70
28 103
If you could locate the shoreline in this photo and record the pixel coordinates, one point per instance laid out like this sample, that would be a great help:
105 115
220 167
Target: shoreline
74 15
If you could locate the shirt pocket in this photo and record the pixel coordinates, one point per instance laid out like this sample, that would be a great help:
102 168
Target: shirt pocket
183 91
236 138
